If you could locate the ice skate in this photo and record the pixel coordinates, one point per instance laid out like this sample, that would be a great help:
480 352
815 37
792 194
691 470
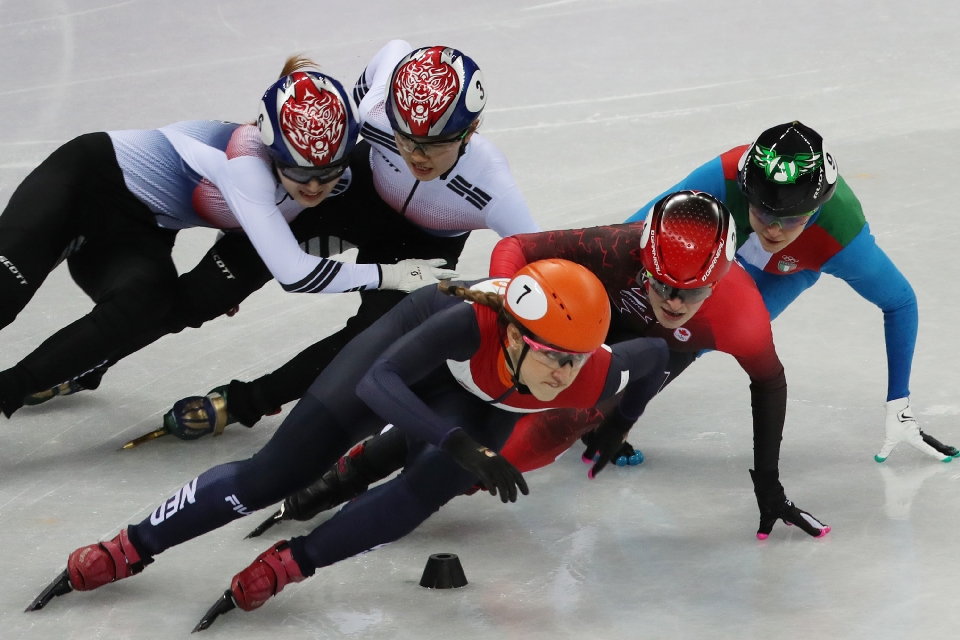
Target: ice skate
193 417
279 516
93 566
66 389
224 604
273 569
59 587
345 481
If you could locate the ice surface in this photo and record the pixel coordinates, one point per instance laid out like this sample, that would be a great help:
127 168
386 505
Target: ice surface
599 105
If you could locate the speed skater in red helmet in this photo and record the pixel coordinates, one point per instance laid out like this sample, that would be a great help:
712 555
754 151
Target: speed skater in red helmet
796 218
685 241
453 367
687 245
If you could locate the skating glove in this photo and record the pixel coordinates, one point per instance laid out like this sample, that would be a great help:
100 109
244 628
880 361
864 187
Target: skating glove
902 427
607 441
627 456
494 471
774 506
410 275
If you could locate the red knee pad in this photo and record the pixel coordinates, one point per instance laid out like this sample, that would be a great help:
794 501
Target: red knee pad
273 569
98 564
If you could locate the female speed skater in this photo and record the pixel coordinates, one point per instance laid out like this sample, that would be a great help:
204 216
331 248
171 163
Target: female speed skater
454 372
796 217
111 205
419 109
673 277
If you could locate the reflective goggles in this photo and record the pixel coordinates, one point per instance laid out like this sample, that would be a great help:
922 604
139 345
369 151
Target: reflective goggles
555 358
429 148
787 223
303 175
690 296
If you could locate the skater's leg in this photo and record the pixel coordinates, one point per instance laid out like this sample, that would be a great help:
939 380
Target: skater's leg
131 277
322 426
308 441
327 421
123 264
430 479
229 272
43 217
365 464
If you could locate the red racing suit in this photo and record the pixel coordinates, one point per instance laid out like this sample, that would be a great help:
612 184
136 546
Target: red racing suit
733 320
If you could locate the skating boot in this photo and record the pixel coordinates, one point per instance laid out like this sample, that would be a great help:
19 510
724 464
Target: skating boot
193 417
345 481
273 569
68 388
197 416
93 566
86 382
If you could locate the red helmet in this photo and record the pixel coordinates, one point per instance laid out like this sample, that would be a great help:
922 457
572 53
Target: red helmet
688 240
560 302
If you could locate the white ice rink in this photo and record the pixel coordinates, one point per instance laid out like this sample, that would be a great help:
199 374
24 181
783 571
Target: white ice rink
599 105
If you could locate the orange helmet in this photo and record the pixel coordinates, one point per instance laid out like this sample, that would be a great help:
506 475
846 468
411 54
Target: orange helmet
560 303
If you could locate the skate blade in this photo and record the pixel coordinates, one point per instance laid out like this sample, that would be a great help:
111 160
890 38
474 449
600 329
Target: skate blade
945 449
221 606
147 437
59 587
276 518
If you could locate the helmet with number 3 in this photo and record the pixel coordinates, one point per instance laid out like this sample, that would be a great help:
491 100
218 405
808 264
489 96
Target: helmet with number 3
788 171
435 92
561 303
306 119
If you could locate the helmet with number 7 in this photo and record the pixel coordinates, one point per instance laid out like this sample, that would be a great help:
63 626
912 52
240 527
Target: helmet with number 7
560 303
787 171
306 119
688 240
435 92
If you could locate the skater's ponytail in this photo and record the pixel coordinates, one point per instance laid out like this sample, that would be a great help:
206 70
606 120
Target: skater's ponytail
298 62
486 298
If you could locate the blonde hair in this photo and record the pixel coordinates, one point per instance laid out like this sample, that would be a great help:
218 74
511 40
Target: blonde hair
486 298
298 62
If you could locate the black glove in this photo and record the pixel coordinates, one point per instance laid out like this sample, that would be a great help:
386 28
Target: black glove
774 505
493 470
607 441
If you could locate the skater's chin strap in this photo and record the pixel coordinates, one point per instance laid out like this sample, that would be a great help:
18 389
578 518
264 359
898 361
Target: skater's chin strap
462 150
514 369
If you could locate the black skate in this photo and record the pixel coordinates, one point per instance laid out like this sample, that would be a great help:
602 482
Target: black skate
945 449
87 382
264 526
342 483
224 604
66 389
59 587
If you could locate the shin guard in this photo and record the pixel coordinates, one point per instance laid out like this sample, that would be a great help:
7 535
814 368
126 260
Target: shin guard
273 569
98 564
